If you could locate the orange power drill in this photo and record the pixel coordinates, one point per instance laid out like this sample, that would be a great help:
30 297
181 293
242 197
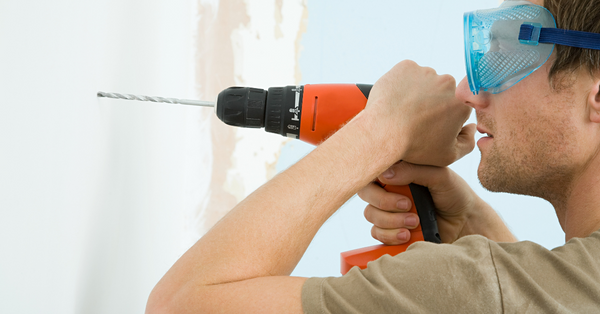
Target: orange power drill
312 113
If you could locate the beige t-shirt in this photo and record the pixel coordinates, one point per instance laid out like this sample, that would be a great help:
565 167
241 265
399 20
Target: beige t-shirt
472 275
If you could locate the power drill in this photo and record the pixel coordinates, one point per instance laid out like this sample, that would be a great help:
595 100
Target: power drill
312 113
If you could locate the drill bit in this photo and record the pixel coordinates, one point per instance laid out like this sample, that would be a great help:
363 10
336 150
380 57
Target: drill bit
157 99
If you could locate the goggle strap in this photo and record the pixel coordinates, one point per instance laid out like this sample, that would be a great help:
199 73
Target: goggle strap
558 36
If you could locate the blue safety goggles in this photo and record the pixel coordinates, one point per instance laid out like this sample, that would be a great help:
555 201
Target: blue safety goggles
506 44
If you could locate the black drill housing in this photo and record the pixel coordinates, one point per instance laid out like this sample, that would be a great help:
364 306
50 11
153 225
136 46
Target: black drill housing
278 110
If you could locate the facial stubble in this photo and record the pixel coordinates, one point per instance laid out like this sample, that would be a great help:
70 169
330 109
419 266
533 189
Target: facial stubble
531 161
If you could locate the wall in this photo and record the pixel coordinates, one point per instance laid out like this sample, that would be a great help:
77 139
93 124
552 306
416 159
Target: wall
91 189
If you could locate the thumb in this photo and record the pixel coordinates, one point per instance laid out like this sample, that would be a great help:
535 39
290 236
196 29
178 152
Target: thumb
403 173
465 140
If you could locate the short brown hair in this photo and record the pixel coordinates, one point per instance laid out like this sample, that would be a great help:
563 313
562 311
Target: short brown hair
579 15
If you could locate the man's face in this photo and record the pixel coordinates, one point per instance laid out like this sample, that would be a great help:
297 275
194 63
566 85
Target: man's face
534 145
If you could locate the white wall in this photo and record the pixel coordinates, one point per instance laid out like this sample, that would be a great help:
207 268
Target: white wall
90 189
100 196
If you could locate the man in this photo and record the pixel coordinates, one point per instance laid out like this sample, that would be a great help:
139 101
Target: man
543 135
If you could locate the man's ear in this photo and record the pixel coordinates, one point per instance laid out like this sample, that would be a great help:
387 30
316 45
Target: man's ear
594 101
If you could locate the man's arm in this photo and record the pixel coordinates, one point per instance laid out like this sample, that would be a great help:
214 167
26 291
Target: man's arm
268 232
243 262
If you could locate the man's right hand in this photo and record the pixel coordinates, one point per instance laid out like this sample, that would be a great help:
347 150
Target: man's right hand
411 105
459 210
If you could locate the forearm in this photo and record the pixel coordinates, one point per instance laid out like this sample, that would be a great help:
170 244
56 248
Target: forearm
268 232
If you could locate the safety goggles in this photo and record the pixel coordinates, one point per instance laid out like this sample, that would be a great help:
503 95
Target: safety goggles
506 44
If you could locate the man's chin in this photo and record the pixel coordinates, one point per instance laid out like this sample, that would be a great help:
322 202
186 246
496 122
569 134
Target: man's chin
492 179
500 179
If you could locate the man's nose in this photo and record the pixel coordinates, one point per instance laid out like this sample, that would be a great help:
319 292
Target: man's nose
464 94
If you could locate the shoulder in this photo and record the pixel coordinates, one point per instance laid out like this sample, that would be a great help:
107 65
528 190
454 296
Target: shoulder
534 278
428 277
577 253
473 274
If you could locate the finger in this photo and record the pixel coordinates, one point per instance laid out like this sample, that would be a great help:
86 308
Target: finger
387 220
466 140
390 236
382 199
404 173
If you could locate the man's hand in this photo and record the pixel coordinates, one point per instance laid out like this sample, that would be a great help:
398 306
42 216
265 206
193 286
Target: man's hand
417 111
460 211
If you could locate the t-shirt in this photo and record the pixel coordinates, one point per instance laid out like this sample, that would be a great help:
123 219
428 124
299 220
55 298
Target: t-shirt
472 275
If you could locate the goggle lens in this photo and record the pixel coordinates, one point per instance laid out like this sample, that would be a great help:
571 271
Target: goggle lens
495 58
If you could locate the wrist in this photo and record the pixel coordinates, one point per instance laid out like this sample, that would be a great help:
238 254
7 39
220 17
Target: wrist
385 140
361 147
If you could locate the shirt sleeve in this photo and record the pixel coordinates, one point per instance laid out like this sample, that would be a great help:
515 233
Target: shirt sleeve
427 278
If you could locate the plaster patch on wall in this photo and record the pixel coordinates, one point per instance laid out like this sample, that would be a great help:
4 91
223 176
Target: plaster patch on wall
208 201
264 56
278 18
298 43
250 43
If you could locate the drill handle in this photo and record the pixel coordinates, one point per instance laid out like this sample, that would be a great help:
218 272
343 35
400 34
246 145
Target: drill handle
426 231
424 207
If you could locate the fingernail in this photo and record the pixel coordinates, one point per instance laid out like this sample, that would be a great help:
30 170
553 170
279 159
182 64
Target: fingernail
403 204
388 174
402 236
410 221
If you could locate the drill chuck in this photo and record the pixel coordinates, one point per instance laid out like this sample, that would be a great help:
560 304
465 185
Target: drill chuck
277 110
242 106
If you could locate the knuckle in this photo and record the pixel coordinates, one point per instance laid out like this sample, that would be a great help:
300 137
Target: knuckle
406 168
389 202
361 194
368 213
390 220
374 233
448 79
397 220
407 62
429 70
388 240
384 237
381 203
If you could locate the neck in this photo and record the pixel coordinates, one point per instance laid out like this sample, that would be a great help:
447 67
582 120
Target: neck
579 215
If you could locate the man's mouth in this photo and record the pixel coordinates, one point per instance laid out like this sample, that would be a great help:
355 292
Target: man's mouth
482 130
